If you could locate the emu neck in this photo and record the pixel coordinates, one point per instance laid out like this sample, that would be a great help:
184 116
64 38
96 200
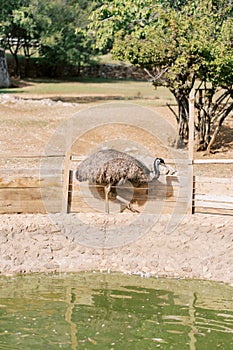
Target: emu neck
156 171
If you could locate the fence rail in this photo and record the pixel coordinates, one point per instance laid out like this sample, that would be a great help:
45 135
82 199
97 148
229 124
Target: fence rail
213 195
29 190
55 189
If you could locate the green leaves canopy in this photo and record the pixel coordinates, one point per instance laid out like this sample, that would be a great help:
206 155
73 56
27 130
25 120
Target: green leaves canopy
195 41
55 29
177 42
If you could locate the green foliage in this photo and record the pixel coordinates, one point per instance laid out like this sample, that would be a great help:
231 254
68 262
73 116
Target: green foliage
194 40
56 30
177 42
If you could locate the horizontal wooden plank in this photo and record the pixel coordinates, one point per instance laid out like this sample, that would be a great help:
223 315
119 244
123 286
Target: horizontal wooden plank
213 190
35 206
25 156
174 181
213 187
150 207
152 193
184 161
99 193
30 181
213 161
214 180
160 186
135 199
218 211
75 158
28 193
141 200
214 198
35 172
87 201
210 204
21 200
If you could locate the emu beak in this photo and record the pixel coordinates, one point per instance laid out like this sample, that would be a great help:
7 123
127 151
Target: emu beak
170 170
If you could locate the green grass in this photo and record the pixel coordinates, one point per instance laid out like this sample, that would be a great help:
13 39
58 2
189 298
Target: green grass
110 89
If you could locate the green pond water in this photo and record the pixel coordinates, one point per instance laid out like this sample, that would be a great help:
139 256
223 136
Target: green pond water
113 311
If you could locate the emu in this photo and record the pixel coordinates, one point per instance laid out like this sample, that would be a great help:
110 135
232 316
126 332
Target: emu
111 167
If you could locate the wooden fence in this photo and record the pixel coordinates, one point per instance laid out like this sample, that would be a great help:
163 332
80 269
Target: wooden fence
213 194
34 190
54 189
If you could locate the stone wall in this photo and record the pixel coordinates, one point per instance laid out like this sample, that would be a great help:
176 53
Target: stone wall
104 71
114 71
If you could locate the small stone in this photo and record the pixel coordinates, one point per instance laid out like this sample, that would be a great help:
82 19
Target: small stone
56 246
187 268
208 275
168 268
6 257
51 265
219 225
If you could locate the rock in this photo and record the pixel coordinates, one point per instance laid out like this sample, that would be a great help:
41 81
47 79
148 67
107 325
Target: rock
168 268
6 257
187 268
208 275
56 246
205 268
4 75
52 265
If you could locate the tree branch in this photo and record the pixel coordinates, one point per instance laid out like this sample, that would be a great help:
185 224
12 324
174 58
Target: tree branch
158 76
172 110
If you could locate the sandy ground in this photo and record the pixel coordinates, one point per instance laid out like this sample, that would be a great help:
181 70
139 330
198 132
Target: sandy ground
200 246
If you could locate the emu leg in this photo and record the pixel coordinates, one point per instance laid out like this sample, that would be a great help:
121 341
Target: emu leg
107 189
127 204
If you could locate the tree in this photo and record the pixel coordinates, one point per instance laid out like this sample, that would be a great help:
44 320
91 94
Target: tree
12 35
30 23
214 100
65 38
177 43
55 30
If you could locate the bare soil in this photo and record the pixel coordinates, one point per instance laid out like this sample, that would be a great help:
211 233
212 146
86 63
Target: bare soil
28 123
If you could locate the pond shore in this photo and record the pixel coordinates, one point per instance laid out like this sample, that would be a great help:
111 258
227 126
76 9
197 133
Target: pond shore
199 247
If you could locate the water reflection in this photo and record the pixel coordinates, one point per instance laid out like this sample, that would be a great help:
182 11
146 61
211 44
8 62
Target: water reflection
112 311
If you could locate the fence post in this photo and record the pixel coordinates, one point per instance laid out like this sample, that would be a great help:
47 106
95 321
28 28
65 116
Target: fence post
66 183
191 147
70 189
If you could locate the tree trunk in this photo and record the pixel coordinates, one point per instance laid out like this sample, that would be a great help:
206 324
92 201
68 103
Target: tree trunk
182 119
17 66
4 75
211 113
212 140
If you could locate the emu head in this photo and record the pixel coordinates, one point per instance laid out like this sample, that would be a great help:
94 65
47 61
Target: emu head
157 163
160 162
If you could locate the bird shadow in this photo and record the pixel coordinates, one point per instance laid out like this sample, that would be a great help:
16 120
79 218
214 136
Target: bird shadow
137 194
